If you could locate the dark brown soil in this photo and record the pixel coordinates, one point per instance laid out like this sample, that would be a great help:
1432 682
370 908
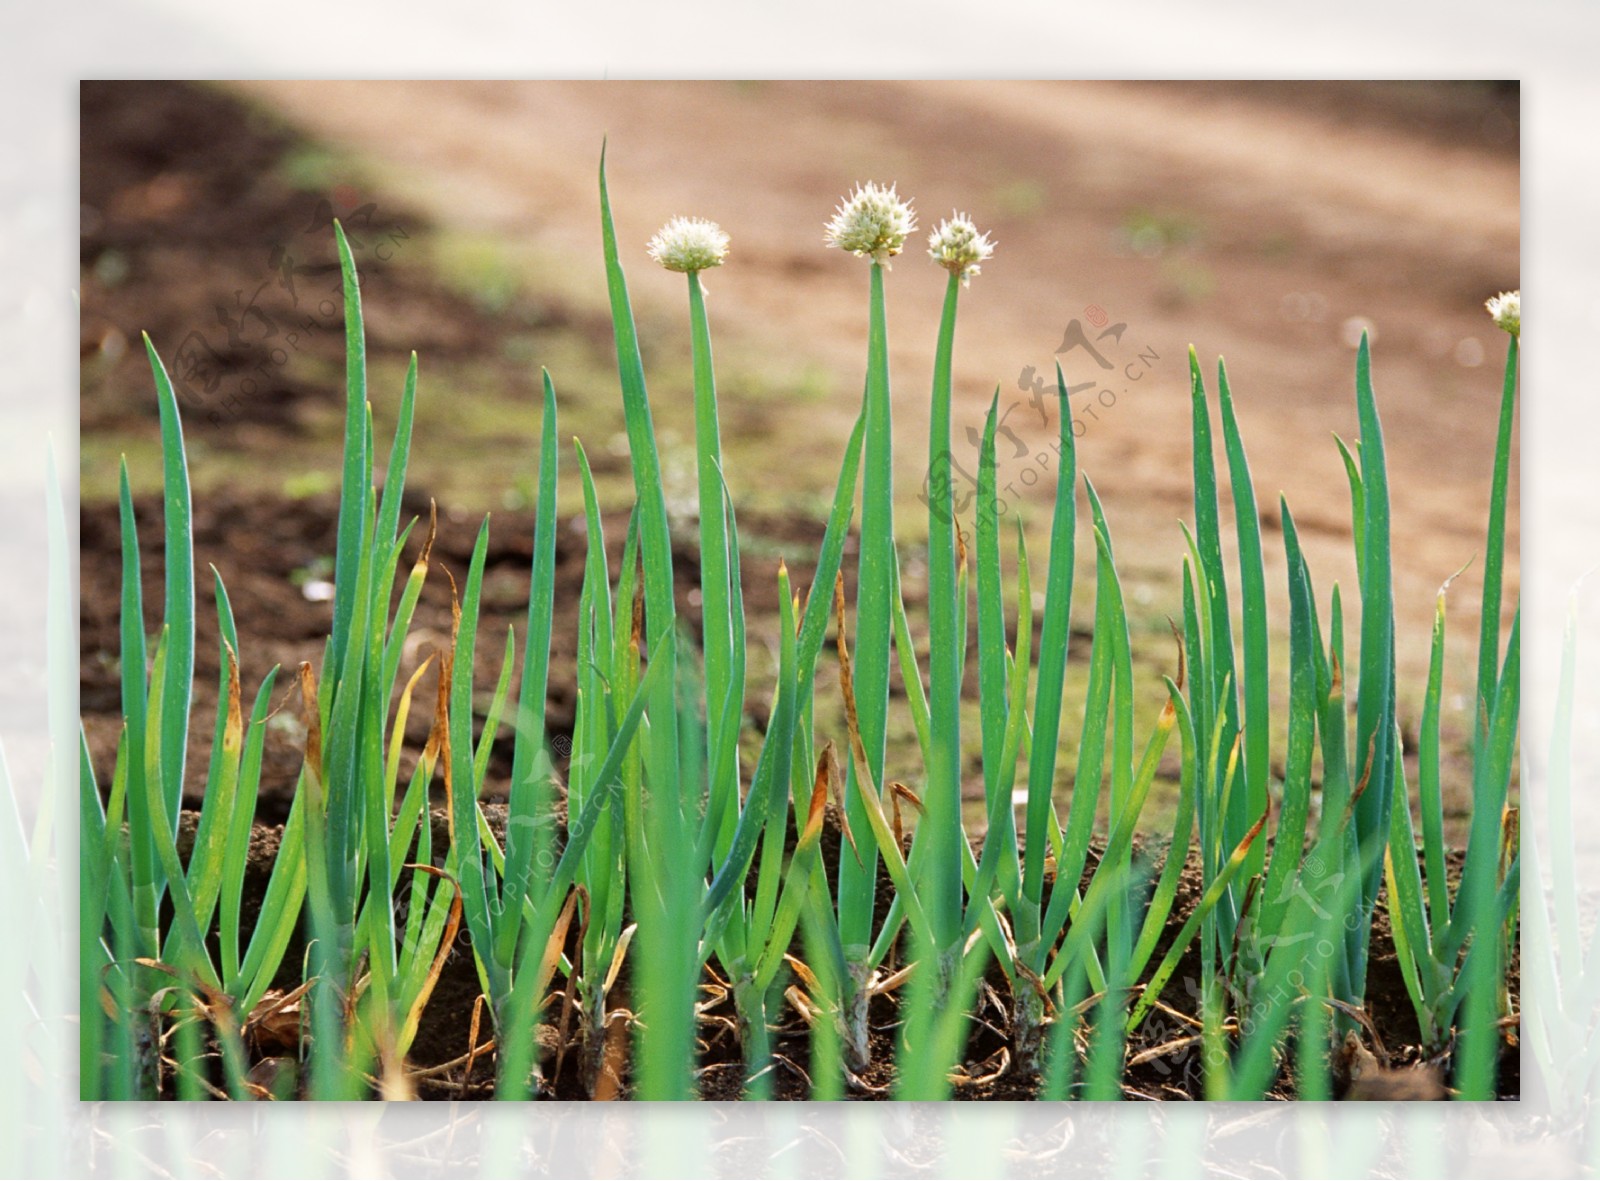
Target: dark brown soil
266 549
182 194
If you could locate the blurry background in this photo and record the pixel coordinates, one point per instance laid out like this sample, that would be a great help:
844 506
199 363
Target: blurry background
1267 222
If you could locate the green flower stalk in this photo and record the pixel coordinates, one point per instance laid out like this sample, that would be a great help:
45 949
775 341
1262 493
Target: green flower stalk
957 246
871 223
1506 309
1483 908
688 246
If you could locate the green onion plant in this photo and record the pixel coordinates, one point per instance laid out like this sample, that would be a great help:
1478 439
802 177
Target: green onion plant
663 883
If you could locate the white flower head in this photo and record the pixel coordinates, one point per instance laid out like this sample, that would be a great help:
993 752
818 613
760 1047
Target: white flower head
872 222
958 247
1506 308
689 244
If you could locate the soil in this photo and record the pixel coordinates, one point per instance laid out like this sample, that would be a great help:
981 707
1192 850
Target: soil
191 233
195 230
268 550
1220 214
1263 221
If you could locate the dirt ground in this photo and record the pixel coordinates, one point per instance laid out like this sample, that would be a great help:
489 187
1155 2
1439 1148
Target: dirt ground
1267 222
1252 222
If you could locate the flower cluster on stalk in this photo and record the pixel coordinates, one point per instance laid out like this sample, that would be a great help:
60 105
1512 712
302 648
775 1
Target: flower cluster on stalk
871 222
689 244
1506 308
958 247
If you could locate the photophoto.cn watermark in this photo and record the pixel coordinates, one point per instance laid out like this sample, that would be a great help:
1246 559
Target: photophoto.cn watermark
1027 434
1179 1052
544 827
251 341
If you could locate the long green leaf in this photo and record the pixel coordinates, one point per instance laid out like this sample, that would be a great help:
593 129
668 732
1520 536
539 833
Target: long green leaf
874 619
1253 685
1209 569
1494 546
468 851
394 476
530 769
186 946
991 630
145 868
941 889
1430 796
1375 699
1288 844
178 559
654 534
355 482
1166 891
219 806
237 851
717 592
1053 642
769 786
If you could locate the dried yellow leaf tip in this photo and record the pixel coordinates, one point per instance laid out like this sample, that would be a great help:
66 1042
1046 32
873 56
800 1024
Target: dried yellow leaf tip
871 222
958 247
689 244
1506 308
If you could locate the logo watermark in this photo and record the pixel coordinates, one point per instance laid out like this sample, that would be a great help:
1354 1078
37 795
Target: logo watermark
249 335
1027 460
